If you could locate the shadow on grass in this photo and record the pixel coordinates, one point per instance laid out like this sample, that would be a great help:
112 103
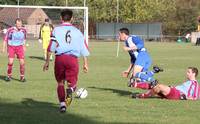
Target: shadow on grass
118 91
36 57
30 111
2 77
159 96
126 93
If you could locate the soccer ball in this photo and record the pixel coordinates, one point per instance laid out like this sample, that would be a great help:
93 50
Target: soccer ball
39 40
81 93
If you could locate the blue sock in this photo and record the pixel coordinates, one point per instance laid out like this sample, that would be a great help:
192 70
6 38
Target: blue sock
150 73
145 76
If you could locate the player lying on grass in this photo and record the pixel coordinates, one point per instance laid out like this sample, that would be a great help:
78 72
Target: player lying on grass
140 59
188 90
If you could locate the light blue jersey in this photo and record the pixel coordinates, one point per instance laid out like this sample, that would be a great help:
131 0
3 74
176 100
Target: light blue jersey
15 37
188 88
67 39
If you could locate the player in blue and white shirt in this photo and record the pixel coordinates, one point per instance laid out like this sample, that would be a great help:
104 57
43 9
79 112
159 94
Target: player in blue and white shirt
140 59
67 42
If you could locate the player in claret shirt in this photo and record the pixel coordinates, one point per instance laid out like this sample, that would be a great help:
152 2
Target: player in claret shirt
188 90
15 41
68 44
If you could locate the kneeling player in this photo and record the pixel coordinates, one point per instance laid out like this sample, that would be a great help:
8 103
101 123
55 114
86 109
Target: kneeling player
140 59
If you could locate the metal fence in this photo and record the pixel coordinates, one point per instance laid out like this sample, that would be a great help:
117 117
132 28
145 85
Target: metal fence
150 31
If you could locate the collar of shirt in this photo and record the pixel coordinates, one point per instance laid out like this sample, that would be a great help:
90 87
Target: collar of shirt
66 24
18 29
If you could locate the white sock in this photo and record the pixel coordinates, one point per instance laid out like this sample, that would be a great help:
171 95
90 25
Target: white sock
62 104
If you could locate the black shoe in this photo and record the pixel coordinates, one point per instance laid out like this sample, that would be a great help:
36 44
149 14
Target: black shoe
7 78
22 79
68 99
153 84
183 97
157 69
63 109
135 96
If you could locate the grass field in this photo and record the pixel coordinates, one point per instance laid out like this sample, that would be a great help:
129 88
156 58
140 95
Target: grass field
35 102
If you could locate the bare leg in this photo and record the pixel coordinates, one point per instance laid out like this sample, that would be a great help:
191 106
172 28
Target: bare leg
161 88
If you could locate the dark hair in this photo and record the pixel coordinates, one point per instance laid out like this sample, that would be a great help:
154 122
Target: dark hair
17 19
198 19
194 70
46 20
66 15
124 30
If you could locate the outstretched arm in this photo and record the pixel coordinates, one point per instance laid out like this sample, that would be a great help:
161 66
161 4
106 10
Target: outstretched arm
46 65
85 64
4 46
128 71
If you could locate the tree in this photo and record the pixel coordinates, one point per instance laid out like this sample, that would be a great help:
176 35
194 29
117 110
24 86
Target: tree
8 2
176 15
184 18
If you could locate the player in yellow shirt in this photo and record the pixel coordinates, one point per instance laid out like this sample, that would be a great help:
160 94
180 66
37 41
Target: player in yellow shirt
44 36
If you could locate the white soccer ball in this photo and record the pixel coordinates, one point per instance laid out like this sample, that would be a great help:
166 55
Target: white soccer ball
39 40
81 93
4 30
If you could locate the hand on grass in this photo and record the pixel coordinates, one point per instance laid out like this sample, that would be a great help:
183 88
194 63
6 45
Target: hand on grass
125 74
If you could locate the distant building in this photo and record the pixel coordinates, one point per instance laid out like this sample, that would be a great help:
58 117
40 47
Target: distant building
32 18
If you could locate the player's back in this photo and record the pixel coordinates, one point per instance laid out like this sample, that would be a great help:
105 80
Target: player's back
70 39
137 41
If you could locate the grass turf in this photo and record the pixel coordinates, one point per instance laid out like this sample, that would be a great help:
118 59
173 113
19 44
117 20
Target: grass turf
108 101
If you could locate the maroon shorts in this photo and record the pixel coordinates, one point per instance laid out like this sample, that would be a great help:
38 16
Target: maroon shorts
174 94
18 50
66 68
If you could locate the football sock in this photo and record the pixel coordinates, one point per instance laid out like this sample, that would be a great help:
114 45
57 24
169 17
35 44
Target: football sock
61 93
62 104
22 70
9 70
141 85
150 73
144 76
